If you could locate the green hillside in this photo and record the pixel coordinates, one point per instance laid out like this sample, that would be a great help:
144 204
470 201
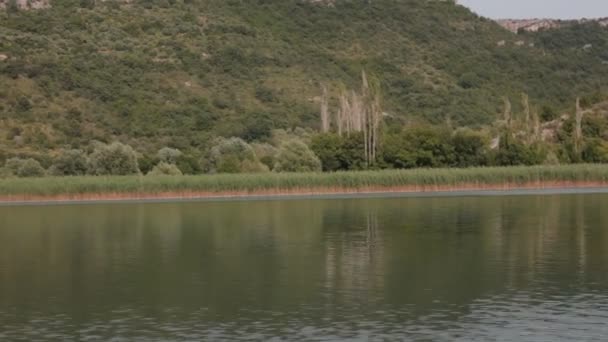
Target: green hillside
156 73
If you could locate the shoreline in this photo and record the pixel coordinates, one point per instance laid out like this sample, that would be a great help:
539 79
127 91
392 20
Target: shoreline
465 189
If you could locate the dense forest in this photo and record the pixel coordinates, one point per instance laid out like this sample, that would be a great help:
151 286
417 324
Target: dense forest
193 86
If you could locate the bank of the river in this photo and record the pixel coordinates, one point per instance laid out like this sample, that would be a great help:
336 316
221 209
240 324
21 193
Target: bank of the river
423 181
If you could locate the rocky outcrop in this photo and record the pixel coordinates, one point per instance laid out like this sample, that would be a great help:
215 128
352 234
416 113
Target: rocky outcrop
27 4
534 25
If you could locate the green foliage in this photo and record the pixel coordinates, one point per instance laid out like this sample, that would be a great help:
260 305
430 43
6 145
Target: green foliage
70 163
548 113
160 69
5 172
169 155
25 167
339 153
595 151
113 159
164 168
512 153
328 148
423 146
266 153
295 156
281 183
232 155
470 148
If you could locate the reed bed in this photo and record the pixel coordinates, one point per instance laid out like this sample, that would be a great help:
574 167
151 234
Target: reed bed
290 183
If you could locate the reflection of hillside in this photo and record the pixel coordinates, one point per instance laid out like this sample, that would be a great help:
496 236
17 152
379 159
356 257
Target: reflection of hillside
416 253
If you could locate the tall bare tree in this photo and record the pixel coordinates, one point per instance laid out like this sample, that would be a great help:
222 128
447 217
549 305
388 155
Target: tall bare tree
536 126
525 102
360 112
578 129
507 115
325 123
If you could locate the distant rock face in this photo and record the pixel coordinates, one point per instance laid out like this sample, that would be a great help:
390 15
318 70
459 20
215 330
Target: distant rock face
534 25
27 4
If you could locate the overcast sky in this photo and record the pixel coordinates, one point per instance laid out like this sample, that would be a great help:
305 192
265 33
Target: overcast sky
558 9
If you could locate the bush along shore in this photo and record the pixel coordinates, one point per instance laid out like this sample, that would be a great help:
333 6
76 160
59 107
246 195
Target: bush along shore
87 188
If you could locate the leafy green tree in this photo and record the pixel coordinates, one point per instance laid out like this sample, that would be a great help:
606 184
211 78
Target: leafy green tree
512 153
25 167
266 153
339 152
422 146
328 147
296 156
595 151
69 163
232 155
169 155
470 148
113 159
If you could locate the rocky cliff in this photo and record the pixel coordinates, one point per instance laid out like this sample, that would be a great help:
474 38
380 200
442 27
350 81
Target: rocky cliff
27 4
534 25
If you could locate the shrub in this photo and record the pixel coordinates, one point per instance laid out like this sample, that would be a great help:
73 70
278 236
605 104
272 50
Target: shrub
232 155
169 155
514 153
340 152
25 167
295 156
113 159
419 147
470 148
595 151
164 168
266 153
70 163
327 147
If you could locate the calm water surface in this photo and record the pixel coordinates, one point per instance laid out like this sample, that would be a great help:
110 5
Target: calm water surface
521 268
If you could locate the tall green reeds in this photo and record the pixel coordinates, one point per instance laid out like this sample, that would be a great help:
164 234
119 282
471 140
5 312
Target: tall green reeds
290 182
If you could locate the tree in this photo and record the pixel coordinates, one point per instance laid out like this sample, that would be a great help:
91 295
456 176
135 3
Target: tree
295 156
340 152
169 155
578 130
512 153
266 153
470 148
423 146
595 151
164 168
360 112
113 159
328 147
232 155
70 163
25 167
325 123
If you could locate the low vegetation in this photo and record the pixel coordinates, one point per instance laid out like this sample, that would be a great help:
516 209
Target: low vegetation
285 183
157 73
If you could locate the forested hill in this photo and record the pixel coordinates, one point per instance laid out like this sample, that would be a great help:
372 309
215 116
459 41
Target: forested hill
154 73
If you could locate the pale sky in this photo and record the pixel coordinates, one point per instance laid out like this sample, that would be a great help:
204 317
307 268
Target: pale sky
556 9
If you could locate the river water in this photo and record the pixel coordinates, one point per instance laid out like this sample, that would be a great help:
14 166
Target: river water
511 268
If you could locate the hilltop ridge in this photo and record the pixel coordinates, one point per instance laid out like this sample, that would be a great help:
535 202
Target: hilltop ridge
537 24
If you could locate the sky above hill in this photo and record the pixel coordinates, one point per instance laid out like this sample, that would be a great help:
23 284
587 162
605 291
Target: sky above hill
557 9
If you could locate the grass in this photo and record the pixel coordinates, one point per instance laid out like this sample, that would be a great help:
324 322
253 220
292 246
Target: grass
273 183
